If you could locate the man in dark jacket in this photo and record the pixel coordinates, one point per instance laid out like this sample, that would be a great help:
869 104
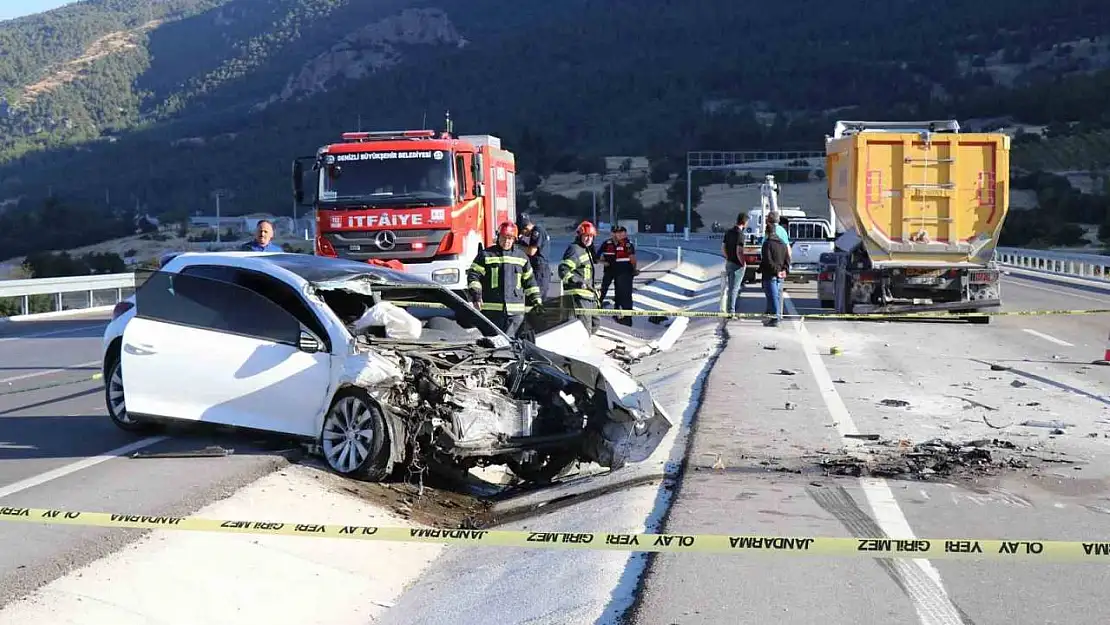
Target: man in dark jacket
537 244
501 278
772 268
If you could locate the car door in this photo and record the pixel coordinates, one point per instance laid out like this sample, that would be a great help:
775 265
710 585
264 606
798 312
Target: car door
201 349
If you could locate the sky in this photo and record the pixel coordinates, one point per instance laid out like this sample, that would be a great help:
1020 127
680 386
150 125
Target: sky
19 8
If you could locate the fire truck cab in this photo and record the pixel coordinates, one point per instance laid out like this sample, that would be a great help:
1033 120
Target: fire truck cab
427 199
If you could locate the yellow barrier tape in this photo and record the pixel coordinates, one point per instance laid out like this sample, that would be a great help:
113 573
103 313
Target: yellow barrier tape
611 312
931 548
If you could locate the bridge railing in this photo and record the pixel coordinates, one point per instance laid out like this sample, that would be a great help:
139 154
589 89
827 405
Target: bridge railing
1089 266
53 295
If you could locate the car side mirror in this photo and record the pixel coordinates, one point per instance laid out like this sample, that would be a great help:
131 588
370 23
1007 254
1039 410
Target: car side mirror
308 343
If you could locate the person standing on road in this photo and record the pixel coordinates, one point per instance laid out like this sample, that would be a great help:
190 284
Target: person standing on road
263 240
772 267
733 250
537 244
624 270
502 275
607 252
576 272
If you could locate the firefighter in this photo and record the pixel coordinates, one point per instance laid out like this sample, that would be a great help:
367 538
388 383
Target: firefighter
537 244
607 252
624 270
576 272
501 282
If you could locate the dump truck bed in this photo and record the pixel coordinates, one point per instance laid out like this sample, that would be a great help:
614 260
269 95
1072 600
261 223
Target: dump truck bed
919 193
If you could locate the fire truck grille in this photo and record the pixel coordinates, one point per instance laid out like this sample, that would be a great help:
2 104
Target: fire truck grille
367 244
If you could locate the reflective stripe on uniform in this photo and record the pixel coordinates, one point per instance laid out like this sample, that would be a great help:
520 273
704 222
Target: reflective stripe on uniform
506 260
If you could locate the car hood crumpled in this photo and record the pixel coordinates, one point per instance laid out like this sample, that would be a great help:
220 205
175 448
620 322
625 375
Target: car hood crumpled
636 423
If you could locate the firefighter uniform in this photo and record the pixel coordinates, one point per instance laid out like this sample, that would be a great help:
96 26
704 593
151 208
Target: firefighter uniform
502 282
624 270
608 253
537 237
576 272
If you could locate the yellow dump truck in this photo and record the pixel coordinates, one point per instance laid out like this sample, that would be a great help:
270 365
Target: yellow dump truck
919 207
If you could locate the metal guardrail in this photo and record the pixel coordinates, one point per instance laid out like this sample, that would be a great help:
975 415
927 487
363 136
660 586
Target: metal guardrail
79 292
68 293
1087 266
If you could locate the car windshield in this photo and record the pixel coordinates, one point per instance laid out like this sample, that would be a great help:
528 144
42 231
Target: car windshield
423 314
414 178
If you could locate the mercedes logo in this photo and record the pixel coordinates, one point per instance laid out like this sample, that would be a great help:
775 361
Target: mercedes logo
386 240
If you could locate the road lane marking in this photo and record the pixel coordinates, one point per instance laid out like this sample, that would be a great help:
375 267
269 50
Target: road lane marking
1050 339
933 606
27 376
1026 285
38 335
42 478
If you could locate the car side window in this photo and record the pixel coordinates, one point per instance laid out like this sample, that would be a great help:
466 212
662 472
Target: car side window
216 305
285 296
269 287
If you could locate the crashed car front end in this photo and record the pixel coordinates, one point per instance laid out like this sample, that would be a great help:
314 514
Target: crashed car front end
457 391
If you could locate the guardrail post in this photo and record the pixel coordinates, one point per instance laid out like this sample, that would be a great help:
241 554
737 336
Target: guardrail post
26 304
679 263
58 301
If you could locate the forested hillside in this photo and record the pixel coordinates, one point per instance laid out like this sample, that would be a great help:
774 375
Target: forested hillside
109 105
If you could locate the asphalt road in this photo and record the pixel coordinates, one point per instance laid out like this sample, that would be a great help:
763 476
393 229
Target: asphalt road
760 432
59 449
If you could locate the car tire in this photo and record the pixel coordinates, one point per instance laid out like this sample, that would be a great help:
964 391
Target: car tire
116 402
369 459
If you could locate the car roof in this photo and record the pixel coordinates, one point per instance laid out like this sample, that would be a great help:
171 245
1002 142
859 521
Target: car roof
308 267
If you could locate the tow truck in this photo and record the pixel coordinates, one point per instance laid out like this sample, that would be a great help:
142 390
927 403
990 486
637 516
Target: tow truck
424 198
809 236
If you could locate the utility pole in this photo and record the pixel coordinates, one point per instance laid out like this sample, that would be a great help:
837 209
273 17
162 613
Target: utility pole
612 187
218 193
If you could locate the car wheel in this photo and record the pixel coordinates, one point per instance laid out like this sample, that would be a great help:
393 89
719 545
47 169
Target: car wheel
116 402
354 439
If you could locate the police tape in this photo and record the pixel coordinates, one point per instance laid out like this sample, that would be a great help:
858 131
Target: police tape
612 312
739 544
95 376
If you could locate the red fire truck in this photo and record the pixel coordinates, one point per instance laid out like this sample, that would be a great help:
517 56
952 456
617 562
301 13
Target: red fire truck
427 199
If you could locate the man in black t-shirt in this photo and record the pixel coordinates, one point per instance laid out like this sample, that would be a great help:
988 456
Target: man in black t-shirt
733 250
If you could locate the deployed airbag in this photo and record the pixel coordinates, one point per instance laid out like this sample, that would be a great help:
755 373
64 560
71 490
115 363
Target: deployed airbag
398 323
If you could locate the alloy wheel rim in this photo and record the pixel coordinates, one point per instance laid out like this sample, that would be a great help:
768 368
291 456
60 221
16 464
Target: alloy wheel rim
348 435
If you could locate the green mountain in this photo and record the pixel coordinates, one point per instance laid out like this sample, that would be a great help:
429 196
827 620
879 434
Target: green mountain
113 105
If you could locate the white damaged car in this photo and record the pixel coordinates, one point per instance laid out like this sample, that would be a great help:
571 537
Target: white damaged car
378 368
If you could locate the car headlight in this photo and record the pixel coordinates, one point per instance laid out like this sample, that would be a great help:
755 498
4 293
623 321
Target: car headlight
445 276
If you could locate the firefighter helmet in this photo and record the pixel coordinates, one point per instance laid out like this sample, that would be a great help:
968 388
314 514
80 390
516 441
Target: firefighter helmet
587 229
508 228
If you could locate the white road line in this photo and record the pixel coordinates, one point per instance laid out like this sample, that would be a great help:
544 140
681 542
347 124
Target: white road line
1050 339
1025 285
42 478
51 333
36 374
933 608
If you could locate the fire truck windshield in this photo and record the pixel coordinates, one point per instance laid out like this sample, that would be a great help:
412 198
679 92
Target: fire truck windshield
388 179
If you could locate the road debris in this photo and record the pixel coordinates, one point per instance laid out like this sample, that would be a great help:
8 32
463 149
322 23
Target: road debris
895 403
786 372
932 459
973 403
211 451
